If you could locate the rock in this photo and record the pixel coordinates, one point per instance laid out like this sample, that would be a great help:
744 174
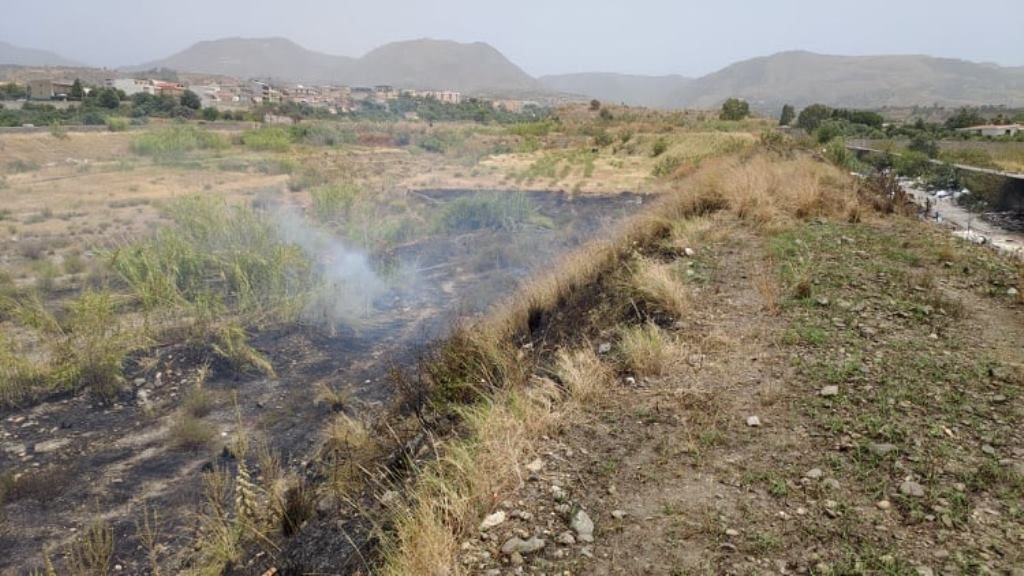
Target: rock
618 514
604 348
327 504
557 493
1012 292
492 520
520 546
51 445
731 533
630 381
753 422
822 301
881 449
583 526
883 505
566 538
829 391
924 571
536 466
139 381
515 558
562 508
988 450
814 474
912 489
690 252
830 483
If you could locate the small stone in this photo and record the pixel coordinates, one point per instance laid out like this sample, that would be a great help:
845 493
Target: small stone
883 505
814 474
881 449
566 538
822 301
583 526
924 571
535 466
829 391
731 533
520 546
1012 292
988 450
618 514
604 348
515 558
830 483
753 422
912 489
492 520
690 252
801 511
630 381
51 445
557 493
139 381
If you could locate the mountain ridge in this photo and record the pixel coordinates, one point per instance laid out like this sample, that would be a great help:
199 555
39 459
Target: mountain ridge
22 56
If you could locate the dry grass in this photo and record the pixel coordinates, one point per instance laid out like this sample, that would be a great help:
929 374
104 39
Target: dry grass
648 350
772 194
469 476
189 432
768 288
91 553
584 375
661 284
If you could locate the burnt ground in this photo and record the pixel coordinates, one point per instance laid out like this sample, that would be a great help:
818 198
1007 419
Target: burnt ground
69 460
911 465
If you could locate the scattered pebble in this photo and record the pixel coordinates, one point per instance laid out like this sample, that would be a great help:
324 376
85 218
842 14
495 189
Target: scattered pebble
814 474
881 449
753 422
604 348
536 466
731 533
883 505
520 546
829 391
618 514
566 538
912 489
492 521
583 526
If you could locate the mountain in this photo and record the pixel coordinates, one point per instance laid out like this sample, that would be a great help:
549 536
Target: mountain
435 64
652 91
802 78
277 58
18 56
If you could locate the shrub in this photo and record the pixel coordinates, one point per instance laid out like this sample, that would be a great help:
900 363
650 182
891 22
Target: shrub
660 146
812 117
498 210
667 166
323 134
191 433
332 201
272 139
647 350
117 124
176 141
788 115
924 144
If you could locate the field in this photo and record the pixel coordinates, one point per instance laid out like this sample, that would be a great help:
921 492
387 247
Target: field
626 342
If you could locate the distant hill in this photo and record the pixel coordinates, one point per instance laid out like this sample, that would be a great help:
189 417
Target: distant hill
651 91
18 56
436 64
802 78
277 58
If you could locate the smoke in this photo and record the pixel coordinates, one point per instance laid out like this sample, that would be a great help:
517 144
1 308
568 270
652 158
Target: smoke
349 286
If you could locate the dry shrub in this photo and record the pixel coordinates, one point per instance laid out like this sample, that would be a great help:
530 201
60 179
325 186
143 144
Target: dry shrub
336 398
772 193
767 285
454 491
661 285
648 350
91 553
584 374
191 433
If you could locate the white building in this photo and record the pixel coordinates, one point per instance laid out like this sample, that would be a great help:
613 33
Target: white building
131 86
995 129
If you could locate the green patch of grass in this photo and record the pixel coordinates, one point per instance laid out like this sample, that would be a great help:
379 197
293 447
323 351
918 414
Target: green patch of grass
173 143
272 139
334 200
495 210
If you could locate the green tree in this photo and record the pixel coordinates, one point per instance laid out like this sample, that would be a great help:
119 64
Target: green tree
788 114
964 118
190 99
595 105
811 117
924 144
77 91
735 109
210 114
107 98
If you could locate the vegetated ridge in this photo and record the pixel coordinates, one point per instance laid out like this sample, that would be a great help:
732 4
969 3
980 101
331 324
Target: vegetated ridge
19 56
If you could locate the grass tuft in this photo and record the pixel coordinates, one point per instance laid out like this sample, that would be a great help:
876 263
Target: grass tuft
647 349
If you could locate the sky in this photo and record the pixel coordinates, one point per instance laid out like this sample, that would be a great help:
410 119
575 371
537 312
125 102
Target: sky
541 36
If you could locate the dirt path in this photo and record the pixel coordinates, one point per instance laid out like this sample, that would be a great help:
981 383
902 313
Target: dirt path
870 426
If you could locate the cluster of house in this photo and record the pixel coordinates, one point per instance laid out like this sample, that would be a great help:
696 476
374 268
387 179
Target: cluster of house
243 94
995 129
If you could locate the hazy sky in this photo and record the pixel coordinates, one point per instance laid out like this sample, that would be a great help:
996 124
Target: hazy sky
542 36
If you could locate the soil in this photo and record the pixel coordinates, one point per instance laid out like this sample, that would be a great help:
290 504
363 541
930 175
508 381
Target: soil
911 465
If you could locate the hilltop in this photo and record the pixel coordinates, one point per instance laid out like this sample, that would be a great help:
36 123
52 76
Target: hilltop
20 56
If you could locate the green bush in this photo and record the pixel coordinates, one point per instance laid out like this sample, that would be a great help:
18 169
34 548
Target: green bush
911 164
333 201
117 123
496 210
734 109
272 139
176 141
660 146
323 134
667 166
